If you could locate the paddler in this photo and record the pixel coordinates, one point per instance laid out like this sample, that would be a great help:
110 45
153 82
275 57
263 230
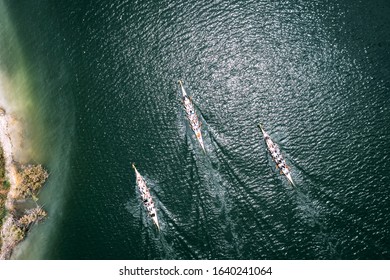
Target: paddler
152 213
187 103
285 170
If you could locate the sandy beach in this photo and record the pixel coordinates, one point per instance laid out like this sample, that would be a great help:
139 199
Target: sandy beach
10 128
6 143
11 175
22 181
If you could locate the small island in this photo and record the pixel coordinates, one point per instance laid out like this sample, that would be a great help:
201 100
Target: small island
19 188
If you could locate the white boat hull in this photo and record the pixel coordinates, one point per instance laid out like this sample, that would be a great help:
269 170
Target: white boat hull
143 189
270 144
192 117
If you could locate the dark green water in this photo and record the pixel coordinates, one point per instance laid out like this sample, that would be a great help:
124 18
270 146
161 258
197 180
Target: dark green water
104 75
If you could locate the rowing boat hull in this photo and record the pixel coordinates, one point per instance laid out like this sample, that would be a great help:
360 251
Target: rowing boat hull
269 144
188 108
142 190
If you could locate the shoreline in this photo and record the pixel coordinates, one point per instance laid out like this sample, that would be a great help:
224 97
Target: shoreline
21 183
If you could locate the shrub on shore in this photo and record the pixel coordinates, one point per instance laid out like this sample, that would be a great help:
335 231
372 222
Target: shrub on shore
14 224
32 177
32 216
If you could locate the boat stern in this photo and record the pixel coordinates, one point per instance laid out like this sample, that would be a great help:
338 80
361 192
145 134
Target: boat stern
202 145
290 179
262 130
198 135
183 91
155 221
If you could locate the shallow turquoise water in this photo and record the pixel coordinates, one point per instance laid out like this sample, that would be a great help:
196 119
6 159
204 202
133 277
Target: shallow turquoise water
104 81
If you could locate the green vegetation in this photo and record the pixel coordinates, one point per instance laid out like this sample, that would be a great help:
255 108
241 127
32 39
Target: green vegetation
2 208
6 184
2 166
4 187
